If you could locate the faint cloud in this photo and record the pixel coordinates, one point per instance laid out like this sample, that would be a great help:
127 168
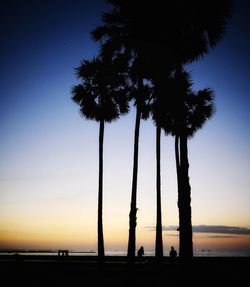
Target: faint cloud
222 236
220 229
164 228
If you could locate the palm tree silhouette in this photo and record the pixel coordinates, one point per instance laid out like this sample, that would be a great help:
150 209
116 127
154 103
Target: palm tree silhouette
158 239
158 110
188 112
133 47
102 96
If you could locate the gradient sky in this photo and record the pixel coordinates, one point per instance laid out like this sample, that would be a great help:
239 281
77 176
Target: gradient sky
49 154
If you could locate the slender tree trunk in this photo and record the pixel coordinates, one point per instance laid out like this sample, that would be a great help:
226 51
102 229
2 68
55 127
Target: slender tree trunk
158 240
100 196
184 203
133 208
177 162
184 192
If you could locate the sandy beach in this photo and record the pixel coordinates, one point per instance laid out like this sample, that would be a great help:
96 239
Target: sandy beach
84 270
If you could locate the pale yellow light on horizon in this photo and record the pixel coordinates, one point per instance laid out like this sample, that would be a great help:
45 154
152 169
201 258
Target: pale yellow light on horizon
75 228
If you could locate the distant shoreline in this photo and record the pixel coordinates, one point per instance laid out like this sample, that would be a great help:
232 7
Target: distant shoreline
39 251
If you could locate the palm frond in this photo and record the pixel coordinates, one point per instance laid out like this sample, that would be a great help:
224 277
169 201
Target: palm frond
99 33
77 94
220 12
201 109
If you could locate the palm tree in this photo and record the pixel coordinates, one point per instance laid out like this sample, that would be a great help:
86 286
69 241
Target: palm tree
200 110
132 47
188 112
158 239
158 110
102 96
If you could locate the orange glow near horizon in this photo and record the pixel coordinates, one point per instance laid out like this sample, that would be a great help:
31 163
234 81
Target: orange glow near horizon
221 241
73 240
48 225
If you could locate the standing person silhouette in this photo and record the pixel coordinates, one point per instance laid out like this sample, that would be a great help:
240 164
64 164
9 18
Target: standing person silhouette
172 252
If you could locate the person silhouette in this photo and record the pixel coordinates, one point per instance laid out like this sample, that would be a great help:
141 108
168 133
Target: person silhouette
172 252
140 251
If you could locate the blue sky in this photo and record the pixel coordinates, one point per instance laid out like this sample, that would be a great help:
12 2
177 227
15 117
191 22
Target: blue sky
49 154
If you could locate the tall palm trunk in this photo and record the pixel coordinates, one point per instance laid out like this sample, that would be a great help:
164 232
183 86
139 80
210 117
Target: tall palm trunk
158 239
133 208
100 195
184 203
177 162
184 189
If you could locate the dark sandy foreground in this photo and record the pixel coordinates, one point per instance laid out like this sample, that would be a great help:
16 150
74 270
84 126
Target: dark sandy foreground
85 271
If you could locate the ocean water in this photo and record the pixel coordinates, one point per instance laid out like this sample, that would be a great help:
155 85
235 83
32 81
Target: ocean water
222 253
198 253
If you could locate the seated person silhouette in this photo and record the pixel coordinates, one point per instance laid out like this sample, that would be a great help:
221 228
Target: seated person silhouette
140 252
172 252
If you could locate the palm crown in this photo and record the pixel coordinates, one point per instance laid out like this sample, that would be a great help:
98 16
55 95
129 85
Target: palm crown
177 108
102 95
165 33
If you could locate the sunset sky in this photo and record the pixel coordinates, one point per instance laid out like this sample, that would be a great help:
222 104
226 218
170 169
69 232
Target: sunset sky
49 154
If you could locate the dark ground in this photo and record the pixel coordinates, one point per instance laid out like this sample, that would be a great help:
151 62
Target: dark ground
85 271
